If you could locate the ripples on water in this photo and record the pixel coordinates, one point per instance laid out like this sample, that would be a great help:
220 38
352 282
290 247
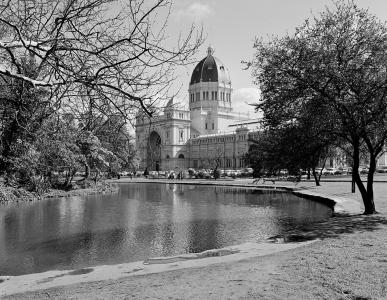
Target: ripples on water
143 220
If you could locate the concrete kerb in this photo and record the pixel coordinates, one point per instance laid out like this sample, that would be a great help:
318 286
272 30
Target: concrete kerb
340 205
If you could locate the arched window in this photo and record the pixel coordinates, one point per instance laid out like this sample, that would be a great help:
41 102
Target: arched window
167 157
181 156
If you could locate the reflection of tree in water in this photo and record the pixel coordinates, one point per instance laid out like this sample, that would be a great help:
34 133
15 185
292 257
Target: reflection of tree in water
204 228
242 196
25 229
282 210
74 251
180 189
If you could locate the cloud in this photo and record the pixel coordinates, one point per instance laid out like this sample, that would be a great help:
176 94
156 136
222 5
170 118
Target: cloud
243 98
196 11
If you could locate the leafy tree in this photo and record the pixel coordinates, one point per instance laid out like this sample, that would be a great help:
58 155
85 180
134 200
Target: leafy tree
337 62
59 153
94 154
115 137
23 109
290 149
295 145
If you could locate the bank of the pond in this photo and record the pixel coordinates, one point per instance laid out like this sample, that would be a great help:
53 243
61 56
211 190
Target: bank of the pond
348 261
99 188
9 194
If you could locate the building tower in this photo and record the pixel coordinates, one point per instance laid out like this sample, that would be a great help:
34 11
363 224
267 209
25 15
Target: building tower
210 96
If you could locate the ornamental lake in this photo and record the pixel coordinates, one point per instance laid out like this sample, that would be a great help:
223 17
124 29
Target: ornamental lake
143 220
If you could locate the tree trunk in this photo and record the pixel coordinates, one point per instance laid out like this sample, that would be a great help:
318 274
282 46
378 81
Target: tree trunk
87 171
67 179
366 194
316 177
97 175
72 174
8 139
369 204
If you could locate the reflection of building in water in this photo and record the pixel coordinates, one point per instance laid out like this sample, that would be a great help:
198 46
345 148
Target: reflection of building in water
195 136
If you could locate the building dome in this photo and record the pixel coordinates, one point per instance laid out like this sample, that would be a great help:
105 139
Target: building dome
210 69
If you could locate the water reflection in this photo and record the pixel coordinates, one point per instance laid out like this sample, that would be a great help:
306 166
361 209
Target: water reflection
142 220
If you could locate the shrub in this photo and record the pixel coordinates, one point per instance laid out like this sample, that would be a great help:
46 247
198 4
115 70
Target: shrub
217 173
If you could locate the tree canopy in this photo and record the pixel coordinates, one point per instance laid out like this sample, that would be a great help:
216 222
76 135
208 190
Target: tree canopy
112 50
335 64
73 75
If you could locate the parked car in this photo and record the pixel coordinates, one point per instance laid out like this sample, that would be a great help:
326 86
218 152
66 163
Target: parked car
232 173
229 172
238 172
191 172
283 172
247 172
363 170
139 173
381 169
331 171
202 174
347 170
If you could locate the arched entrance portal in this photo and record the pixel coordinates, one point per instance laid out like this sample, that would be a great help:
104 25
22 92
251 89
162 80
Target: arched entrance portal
154 152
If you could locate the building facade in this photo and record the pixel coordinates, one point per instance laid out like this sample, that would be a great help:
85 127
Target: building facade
206 131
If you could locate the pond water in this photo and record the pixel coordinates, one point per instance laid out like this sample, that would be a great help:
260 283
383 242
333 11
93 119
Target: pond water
140 221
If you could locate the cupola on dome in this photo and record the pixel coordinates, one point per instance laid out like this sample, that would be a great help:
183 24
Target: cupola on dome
210 69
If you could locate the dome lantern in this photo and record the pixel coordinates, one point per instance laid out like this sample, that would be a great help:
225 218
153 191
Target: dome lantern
210 51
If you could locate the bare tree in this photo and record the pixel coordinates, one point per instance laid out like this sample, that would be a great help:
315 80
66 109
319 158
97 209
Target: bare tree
110 50
216 159
89 57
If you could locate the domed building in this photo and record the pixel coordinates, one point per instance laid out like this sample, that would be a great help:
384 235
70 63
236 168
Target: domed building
210 96
209 130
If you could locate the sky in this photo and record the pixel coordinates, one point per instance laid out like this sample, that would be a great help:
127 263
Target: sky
231 27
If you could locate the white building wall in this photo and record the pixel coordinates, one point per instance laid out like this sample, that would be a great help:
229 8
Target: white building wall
230 148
